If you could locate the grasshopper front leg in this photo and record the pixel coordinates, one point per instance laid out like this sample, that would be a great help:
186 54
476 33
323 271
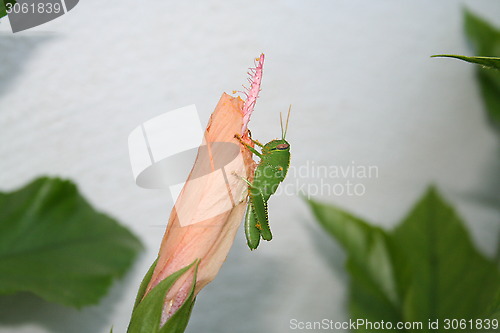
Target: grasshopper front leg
259 206
252 149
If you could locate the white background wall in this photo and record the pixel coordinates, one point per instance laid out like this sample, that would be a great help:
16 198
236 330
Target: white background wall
363 90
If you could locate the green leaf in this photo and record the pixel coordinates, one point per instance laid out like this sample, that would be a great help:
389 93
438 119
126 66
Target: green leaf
147 315
483 36
490 90
486 62
3 9
442 275
427 268
485 41
144 283
373 289
179 320
55 245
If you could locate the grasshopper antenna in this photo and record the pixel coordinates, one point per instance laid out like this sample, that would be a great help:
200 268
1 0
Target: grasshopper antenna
286 126
281 125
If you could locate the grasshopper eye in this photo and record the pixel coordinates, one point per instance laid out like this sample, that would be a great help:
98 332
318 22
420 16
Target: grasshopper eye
282 146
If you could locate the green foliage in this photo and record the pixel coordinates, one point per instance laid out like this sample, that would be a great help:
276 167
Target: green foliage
486 62
485 40
179 320
147 312
425 269
483 36
55 245
144 284
3 9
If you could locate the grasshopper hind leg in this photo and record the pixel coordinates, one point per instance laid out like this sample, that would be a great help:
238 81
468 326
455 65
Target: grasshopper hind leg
256 219
259 207
251 231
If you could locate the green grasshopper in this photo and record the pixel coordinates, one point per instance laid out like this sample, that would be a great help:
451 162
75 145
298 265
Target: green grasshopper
270 172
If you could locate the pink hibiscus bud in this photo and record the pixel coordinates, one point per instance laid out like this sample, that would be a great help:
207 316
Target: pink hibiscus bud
206 216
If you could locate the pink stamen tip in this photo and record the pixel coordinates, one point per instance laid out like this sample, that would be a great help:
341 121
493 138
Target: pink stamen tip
253 92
